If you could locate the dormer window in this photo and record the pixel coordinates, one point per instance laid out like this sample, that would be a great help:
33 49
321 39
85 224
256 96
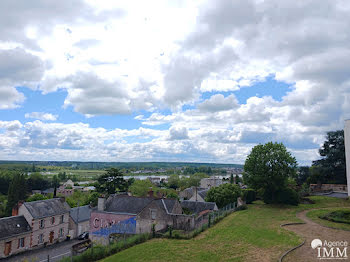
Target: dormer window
42 223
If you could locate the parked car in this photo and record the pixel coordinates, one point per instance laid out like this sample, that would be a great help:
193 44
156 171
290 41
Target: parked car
84 235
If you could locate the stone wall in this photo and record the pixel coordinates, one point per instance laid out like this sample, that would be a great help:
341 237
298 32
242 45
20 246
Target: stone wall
14 244
47 229
328 187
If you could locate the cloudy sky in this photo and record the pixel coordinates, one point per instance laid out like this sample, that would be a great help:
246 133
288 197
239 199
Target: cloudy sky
181 80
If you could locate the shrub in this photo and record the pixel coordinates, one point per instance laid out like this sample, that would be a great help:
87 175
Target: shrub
242 207
249 195
288 196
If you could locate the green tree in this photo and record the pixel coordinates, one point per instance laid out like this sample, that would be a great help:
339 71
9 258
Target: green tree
267 169
333 158
93 198
112 182
303 174
36 197
140 188
37 181
17 191
223 194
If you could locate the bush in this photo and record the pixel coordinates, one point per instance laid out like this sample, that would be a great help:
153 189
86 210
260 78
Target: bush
249 195
242 207
285 195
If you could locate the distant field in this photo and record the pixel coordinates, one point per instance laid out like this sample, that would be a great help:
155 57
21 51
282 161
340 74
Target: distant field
250 235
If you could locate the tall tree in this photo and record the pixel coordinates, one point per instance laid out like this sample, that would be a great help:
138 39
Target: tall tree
267 169
17 191
112 182
333 158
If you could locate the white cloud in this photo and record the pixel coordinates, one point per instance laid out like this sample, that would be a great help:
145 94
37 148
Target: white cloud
41 116
218 103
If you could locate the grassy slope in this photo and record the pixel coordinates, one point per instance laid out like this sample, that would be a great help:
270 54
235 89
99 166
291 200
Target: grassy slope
314 215
249 235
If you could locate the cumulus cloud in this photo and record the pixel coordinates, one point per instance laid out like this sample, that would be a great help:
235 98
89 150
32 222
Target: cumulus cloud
178 133
41 116
10 97
219 103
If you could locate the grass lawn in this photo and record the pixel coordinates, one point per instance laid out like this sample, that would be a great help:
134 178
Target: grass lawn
249 235
314 215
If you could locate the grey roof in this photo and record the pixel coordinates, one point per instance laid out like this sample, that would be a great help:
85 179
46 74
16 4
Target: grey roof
126 204
48 191
46 208
13 226
203 193
170 203
80 214
197 207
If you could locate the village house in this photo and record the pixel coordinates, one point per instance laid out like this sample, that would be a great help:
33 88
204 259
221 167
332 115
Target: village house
79 220
194 194
15 234
48 219
200 210
211 182
123 214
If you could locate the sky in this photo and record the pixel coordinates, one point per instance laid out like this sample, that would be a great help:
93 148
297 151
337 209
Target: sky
179 80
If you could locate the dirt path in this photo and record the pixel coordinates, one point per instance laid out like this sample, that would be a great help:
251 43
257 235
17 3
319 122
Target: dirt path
311 231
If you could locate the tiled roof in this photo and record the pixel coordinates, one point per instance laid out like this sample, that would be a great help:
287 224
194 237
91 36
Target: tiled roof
46 208
80 214
12 226
126 204
197 207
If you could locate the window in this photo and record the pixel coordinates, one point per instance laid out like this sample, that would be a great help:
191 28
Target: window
61 232
52 220
153 214
21 242
62 219
40 238
42 223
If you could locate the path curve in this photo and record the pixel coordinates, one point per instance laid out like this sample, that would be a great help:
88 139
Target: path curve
310 231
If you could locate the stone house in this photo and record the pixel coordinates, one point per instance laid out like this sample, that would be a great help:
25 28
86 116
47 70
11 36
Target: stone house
200 210
79 220
125 215
48 219
211 182
194 194
15 234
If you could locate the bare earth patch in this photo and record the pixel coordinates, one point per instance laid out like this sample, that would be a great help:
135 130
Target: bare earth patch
310 231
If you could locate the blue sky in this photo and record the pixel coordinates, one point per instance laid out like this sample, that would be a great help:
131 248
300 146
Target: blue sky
141 84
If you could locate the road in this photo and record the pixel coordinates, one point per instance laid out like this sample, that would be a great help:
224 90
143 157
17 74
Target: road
56 252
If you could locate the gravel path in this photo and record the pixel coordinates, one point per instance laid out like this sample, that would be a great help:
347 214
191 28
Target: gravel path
311 231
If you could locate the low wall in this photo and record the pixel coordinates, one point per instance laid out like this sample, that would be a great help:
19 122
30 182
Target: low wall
328 187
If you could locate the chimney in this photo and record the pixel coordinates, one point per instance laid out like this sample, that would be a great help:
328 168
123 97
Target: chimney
101 204
16 208
150 192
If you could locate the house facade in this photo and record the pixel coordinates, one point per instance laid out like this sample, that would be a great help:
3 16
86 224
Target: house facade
126 215
15 233
49 220
211 182
79 220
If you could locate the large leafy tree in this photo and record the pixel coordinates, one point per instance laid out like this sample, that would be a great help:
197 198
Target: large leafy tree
224 194
267 169
333 158
111 182
17 191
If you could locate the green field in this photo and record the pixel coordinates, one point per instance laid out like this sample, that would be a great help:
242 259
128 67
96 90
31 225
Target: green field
314 215
250 235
